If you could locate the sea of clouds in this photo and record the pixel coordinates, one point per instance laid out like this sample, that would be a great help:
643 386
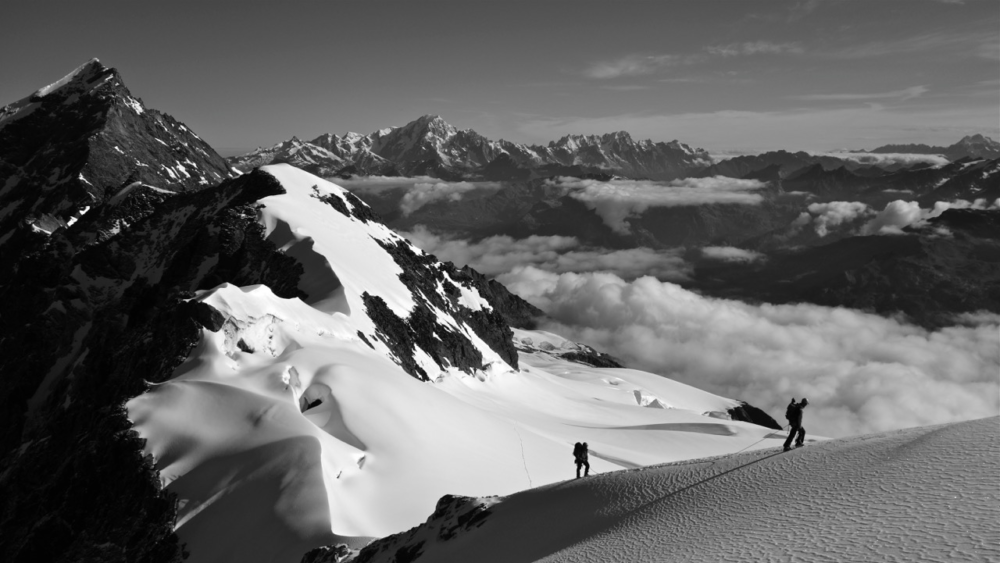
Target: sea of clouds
897 214
497 255
420 190
886 159
861 372
618 199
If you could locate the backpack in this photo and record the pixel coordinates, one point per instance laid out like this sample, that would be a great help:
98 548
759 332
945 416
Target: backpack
790 411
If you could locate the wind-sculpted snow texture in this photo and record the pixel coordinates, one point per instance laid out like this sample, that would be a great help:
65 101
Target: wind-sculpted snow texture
298 422
921 494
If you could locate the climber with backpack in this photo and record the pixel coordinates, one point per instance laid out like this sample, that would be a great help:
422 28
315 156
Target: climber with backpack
794 415
580 456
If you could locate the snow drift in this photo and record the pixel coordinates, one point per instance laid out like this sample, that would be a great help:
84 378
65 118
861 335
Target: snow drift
302 422
921 494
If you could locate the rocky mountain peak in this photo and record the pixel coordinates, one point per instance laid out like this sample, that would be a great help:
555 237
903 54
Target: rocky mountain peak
81 139
978 139
429 145
430 125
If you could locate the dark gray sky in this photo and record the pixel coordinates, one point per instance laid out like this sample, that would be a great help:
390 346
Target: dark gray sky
723 75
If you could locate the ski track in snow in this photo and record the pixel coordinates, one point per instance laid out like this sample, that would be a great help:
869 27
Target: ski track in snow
524 461
927 494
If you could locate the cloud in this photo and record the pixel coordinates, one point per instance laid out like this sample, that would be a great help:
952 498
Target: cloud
420 190
835 213
636 65
617 200
500 254
989 51
423 193
626 88
861 372
905 94
377 183
753 48
965 43
886 159
730 254
643 64
898 214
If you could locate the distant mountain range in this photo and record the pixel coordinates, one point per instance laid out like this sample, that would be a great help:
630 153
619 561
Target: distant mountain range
971 145
432 147
429 146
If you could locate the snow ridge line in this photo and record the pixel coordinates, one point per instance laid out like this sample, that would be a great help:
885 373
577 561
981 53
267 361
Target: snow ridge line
523 461
755 443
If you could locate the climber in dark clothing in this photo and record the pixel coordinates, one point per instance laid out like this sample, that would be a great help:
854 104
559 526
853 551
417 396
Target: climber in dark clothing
794 415
580 455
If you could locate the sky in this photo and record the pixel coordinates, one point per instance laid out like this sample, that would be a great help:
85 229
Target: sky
739 76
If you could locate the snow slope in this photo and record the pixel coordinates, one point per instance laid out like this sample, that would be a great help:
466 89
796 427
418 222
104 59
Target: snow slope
291 425
920 494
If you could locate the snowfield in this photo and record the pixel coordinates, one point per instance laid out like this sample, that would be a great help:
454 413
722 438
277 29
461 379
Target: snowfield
929 494
286 430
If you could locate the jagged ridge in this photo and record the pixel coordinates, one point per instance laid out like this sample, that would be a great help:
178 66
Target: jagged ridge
430 146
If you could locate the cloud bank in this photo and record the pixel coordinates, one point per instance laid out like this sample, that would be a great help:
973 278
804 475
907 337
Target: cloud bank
898 214
886 159
640 64
636 65
500 254
617 200
730 254
903 95
862 373
754 48
420 190
834 213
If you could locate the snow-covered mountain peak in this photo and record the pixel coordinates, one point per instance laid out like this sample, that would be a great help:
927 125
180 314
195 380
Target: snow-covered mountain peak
428 127
683 147
431 146
978 140
356 266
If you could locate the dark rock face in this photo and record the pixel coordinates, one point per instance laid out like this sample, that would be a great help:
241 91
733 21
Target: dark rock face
328 554
929 275
452 516
594 358
970 180
86 328
788 163
515 311
422 274
749 413
67 149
